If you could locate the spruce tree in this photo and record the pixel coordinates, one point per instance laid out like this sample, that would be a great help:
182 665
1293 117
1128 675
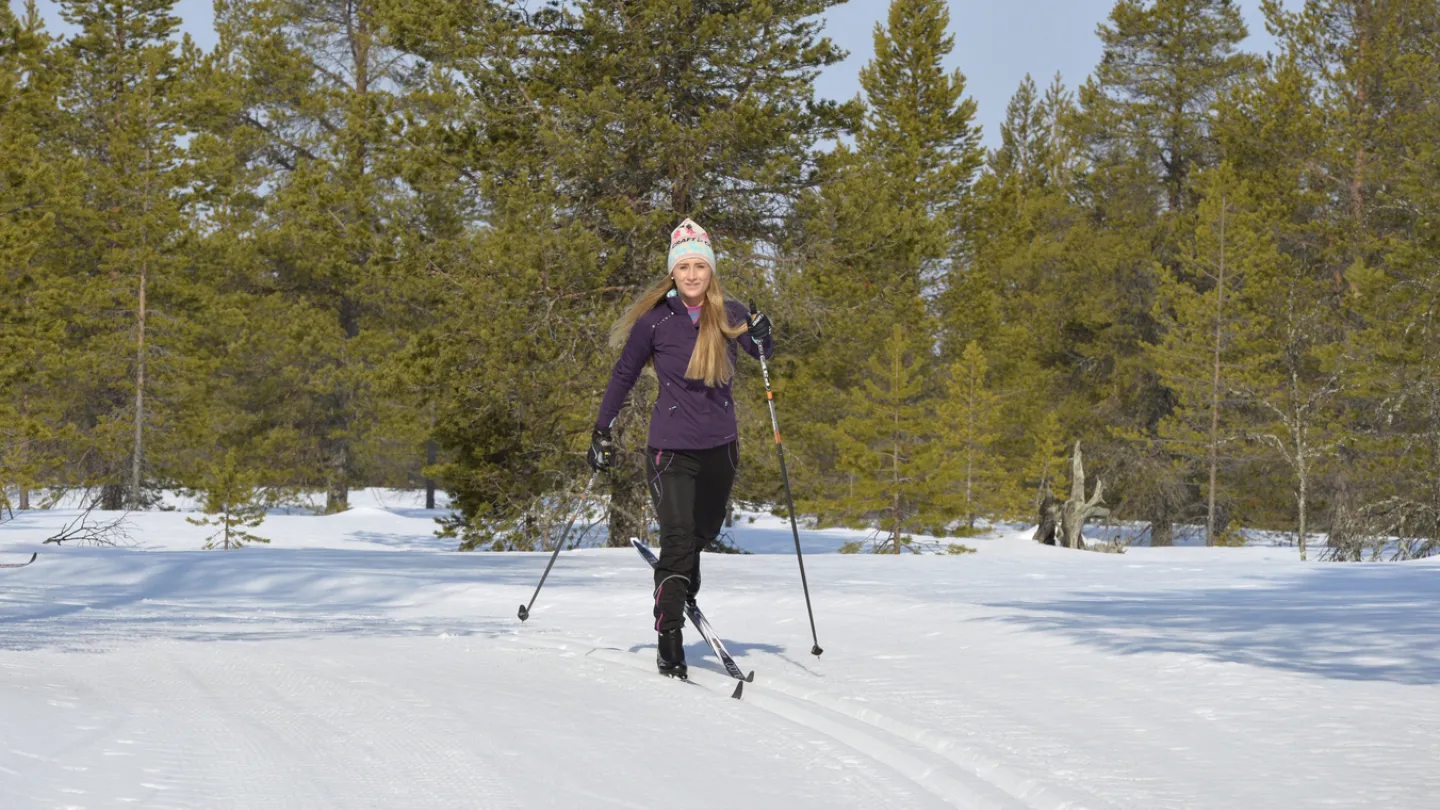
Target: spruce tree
1046 461
1295 377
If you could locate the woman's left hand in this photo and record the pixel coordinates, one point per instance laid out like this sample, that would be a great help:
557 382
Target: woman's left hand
759 326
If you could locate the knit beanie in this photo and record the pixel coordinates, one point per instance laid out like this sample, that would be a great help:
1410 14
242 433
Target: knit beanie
690 241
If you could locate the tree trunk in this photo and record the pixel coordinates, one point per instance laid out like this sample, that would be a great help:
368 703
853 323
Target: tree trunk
898 529
24 498
1162 533
1048 520
970 486
138 454
337 474
1303 475
1214 445
1071 525
337 492
112 497
895 481
430 482
626 510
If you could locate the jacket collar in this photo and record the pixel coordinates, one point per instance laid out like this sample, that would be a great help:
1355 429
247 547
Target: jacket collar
677 304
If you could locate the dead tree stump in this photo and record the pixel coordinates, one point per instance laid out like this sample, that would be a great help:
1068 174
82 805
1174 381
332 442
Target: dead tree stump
1077 510
1048 521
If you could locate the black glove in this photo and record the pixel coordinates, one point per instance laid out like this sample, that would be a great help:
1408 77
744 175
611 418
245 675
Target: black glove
759 326
602 449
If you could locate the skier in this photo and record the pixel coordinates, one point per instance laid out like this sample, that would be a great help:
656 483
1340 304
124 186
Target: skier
682 326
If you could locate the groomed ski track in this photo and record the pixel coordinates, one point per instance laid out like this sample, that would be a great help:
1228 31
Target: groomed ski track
333 674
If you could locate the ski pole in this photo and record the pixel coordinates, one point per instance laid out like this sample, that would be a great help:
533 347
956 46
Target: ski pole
789 501
564 538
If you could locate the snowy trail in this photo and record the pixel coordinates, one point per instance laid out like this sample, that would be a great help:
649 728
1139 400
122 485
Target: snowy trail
353 666
216 725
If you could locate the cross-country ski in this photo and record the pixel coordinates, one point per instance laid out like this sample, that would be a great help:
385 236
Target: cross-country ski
33 555
698 620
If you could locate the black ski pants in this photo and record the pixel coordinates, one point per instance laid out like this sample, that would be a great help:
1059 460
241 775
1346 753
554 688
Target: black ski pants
690 490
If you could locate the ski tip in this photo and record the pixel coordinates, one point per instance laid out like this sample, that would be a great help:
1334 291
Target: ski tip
33 556
524 613
739 687
816 651
751 677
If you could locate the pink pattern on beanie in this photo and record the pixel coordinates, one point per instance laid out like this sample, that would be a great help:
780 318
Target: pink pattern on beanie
690 240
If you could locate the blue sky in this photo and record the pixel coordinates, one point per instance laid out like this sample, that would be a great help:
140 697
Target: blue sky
996 43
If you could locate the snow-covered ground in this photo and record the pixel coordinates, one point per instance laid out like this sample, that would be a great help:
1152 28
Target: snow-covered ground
358 663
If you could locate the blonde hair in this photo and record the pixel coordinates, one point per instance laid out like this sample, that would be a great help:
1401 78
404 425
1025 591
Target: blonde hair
710 361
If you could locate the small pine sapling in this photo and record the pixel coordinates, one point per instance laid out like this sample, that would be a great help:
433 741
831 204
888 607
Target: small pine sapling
232 500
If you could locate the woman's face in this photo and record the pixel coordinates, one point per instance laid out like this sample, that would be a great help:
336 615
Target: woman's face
692 276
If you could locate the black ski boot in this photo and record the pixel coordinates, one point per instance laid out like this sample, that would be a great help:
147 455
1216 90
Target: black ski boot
670 658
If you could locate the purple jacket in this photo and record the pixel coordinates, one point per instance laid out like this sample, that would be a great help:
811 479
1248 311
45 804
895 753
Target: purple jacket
688 415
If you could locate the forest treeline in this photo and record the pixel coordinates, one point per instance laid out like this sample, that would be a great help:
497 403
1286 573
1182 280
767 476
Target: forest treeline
366 242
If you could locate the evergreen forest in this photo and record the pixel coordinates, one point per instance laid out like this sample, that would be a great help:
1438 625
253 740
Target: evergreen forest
380 242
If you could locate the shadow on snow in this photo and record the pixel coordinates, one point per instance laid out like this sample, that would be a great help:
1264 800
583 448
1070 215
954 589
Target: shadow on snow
1378 622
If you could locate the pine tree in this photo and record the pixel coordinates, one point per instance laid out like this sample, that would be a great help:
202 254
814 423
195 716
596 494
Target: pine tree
596 126
1145 123
113 268
1165 63
233 500
1369 73
972 478
919 125
27 180
881 445
1015 232
1295 367
874 242
319 86
1208 314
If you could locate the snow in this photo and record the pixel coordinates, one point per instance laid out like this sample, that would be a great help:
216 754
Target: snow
357 662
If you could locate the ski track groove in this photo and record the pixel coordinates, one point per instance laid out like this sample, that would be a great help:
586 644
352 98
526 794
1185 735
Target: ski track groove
216 730
886 790
954 773
299 712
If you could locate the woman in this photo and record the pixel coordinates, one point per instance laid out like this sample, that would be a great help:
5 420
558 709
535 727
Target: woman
684 327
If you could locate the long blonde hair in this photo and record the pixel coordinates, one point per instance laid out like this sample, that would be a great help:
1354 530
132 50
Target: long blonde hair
710 361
